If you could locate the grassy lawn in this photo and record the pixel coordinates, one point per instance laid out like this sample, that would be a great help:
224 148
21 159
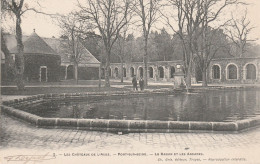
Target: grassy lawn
46 90
69 82
63 87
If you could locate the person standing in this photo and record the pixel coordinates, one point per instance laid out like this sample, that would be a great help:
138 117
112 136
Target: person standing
134 82
141 83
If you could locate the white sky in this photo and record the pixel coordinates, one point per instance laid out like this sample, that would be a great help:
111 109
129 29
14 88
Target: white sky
45 27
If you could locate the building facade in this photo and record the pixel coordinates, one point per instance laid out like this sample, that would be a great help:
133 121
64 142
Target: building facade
88 66
157 71
48 59
234 70
41 62
223 70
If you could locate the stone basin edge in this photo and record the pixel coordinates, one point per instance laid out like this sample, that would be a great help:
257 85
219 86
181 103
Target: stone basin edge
129 125
9 107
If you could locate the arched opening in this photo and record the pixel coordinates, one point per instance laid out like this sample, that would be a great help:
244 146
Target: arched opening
70 74
161 72
150 69
109 72
116 72
216 72
132 72
124 72
102 73
172 72
251 71
140 70
198 73
232 72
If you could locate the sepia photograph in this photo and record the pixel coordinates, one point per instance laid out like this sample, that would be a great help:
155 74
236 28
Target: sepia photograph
130 81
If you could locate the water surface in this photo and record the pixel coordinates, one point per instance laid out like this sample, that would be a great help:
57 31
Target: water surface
216 106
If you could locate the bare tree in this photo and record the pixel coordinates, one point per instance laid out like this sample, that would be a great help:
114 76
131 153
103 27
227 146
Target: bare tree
148 12
75 31
194 18
109 17
18 8
187 16
212 43
238 32
120 49
4 48
9 62
211 40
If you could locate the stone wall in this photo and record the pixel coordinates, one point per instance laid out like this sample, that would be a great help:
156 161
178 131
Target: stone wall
34 62
240 74
242 67
157 71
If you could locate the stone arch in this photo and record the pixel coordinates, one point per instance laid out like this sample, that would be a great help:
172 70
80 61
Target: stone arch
150 69
70 72
102 73
124 72
232 71
172 71
140 72
216 71
109 72
250 70
132 71
161 72
116 73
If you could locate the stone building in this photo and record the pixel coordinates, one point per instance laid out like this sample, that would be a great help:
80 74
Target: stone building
46 60
88 67
41 62
221 70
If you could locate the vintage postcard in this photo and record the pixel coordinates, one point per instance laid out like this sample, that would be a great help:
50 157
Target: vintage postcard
130 81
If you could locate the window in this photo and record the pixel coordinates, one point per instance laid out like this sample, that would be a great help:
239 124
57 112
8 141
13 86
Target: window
124 72
140 71
132 71
161 72
150 72
232 72
216 72
102 73
116 72
172 72
109 72
250 72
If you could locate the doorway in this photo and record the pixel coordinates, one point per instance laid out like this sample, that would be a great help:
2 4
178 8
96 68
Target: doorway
43 74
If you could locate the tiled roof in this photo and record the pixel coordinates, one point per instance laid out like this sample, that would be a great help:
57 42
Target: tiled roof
60 47
35 45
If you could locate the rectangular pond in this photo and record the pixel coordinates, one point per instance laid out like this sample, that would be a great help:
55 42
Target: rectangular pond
208 106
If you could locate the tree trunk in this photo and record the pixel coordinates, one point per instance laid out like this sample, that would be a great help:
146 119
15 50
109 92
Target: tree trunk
188 80
107 82
145 63
204 78
188 74
20 56
241 51
122 71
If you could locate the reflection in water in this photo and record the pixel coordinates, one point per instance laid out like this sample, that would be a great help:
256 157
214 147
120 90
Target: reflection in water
203 106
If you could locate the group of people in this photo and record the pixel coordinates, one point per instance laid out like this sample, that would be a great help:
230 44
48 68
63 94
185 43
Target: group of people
141 83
